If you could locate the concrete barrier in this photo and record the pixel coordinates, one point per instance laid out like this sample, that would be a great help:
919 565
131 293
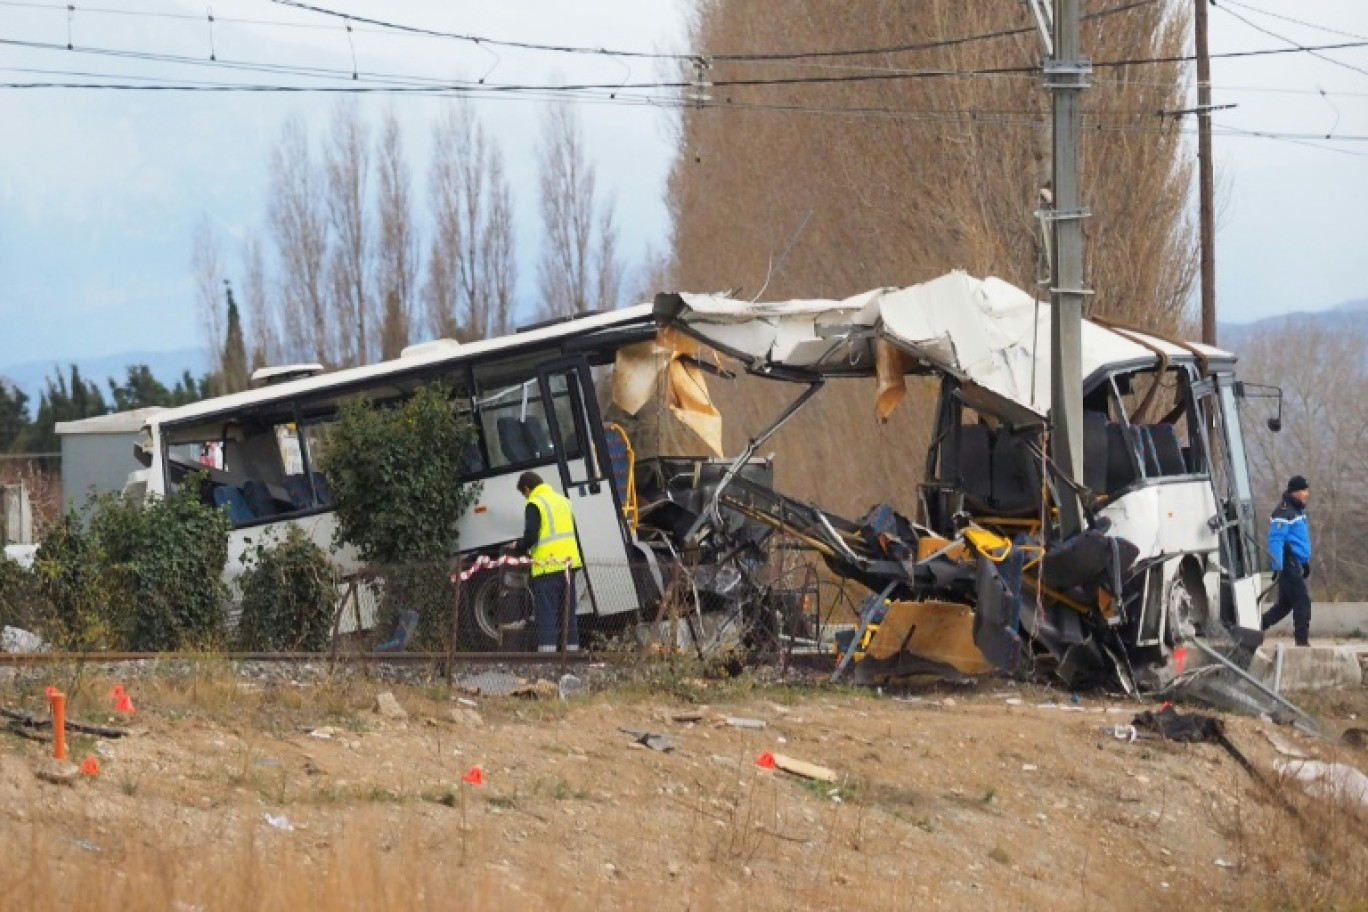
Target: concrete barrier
1308 667
1337 620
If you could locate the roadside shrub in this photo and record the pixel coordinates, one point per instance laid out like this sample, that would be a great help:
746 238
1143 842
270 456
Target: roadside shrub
22 603
71 573
288 594
146 578
394 474
165 563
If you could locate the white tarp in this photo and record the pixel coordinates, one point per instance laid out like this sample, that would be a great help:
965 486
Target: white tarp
985 332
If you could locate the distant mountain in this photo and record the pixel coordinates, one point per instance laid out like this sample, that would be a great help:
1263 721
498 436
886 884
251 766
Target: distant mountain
166 366
1355 312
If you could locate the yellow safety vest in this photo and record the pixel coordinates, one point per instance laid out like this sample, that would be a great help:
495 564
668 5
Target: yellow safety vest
556 541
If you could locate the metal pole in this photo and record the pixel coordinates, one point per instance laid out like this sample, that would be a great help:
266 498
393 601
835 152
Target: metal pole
1205 180
1066 76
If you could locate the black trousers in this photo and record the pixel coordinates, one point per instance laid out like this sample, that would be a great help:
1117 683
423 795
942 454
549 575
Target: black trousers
1293 597
548 599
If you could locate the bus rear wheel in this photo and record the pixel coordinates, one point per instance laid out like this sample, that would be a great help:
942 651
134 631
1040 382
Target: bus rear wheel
496 616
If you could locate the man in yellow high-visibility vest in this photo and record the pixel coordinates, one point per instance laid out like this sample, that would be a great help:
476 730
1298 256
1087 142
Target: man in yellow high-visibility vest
549 538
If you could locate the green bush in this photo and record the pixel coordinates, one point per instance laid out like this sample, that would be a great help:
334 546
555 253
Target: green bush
165 561
71 572
288 594
394 475
22 602
143 578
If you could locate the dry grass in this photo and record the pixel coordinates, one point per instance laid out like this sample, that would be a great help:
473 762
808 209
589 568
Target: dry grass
932 806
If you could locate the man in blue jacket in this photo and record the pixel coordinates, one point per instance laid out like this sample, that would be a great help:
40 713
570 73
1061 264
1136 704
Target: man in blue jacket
1289 545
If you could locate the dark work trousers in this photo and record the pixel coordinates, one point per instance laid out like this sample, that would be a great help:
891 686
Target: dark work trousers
1293 597
548 598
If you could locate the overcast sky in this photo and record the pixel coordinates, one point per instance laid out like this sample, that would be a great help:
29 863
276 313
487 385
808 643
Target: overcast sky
99 190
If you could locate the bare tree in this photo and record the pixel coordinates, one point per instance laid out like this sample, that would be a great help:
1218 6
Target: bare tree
299 229
1324 378
497 251
347 160
263 348
471 271
906 179
396 243
579 269
206 264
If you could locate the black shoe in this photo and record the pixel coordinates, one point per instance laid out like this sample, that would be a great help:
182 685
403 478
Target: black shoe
1303 643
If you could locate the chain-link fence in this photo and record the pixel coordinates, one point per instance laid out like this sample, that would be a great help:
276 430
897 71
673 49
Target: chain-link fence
759 606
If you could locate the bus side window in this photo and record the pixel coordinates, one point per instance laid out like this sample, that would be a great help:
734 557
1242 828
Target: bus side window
512 418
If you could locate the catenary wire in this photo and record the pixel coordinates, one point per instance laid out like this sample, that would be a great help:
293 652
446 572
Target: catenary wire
1283 38
1302 22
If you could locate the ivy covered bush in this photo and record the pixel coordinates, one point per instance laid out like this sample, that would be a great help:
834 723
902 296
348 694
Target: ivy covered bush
22 602
165 560
149 578
288 593
394 471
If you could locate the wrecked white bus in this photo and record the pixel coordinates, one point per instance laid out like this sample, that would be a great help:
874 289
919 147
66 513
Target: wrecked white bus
978 576
531 399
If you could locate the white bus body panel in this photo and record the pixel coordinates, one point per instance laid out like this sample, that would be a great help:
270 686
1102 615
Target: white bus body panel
1166 518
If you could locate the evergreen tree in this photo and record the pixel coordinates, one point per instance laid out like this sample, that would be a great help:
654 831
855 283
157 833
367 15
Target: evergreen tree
140 390
15 426
63 401
188 389
233 377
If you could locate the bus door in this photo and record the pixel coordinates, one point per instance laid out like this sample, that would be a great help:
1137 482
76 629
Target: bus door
1235 523
585 478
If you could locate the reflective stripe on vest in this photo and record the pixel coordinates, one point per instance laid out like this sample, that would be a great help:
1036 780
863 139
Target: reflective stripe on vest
556 540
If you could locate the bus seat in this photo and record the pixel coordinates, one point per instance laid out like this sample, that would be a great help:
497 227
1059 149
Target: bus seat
540 441
1016 475
1095 451
623 459
1122 457
231 499
514 441
973 465
324 494
1145 442
1168 450
259 499
297 489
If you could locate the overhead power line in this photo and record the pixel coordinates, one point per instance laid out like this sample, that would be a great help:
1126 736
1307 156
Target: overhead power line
1303 22
420 83
729 58
1314 52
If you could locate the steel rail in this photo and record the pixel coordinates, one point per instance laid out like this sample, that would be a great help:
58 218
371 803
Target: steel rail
373 658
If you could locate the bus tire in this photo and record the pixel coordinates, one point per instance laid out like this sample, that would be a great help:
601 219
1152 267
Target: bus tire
493 618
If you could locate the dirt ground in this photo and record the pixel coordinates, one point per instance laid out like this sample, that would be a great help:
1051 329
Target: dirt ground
233 795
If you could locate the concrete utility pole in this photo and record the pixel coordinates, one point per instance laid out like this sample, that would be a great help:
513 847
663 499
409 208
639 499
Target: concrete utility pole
1066 76
1206 190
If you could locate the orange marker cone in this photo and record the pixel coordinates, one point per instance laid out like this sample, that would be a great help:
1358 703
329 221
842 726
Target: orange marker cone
90 767
765 761
474 776
123 703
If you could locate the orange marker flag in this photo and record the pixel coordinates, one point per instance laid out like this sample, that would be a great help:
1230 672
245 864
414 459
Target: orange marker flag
123 703
474 776
765 761
90 767
1180 658
50 692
